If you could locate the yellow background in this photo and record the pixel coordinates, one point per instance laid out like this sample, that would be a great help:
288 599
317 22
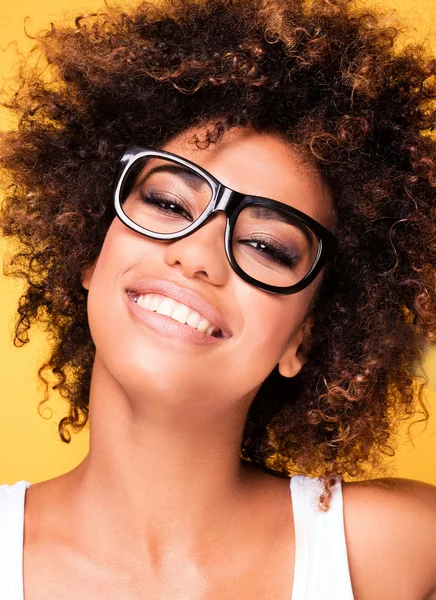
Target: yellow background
29 445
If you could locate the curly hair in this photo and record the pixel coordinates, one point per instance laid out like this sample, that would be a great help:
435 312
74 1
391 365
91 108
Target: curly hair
327 76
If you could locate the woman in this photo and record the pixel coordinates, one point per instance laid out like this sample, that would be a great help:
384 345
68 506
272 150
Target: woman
226 214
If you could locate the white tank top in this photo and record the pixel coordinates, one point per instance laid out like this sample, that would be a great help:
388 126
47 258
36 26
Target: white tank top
321 564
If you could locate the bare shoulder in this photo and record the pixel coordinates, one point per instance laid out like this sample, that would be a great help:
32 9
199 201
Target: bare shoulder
390 527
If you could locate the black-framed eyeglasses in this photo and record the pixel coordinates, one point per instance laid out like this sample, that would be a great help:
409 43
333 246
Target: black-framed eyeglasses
271 245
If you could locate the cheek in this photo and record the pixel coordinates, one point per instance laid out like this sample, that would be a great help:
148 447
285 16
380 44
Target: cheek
121 345
122 250
270 324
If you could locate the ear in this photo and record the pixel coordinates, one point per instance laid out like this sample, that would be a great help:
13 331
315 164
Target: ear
297 351
87 275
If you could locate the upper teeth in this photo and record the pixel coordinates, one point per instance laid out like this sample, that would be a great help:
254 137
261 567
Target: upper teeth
177 311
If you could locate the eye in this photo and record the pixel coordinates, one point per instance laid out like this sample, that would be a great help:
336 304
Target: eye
272 251
165 205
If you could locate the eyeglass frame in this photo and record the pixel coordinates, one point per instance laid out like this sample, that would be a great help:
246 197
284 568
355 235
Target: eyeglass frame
231 203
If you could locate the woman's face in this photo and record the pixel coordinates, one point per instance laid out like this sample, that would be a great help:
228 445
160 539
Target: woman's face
151 355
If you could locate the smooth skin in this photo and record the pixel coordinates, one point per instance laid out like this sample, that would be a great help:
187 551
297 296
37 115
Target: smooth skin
162 507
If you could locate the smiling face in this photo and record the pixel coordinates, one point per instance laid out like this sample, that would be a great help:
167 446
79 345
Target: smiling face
224 336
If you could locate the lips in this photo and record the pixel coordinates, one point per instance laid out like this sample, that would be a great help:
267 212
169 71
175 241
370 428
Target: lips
184 296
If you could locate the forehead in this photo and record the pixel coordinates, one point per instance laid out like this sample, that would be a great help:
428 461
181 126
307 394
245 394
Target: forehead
260 164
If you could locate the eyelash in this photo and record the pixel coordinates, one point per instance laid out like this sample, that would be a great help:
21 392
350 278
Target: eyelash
161 202
274 252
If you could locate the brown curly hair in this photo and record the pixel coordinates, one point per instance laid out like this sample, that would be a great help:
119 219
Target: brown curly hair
327 76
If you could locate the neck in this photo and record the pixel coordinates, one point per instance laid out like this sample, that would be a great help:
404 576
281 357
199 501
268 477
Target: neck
164 465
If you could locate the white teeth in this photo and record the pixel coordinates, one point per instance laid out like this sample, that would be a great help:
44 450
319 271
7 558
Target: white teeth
147 301
141 300
203 325
193 320
179 312
154 302
166 307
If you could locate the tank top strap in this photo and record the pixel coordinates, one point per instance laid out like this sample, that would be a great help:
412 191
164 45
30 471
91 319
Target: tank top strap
12 499
321 562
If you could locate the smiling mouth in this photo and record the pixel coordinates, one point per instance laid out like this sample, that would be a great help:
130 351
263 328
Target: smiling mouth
183 314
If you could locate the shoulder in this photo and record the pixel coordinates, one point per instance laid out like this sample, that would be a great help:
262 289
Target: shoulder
390 528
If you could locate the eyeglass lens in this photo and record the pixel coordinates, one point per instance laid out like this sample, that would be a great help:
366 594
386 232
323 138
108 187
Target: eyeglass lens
268 244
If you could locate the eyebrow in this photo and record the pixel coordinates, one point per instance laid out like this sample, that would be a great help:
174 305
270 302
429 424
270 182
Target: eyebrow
190 177
261 212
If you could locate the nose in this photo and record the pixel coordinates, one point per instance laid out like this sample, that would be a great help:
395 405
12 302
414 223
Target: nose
202 254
